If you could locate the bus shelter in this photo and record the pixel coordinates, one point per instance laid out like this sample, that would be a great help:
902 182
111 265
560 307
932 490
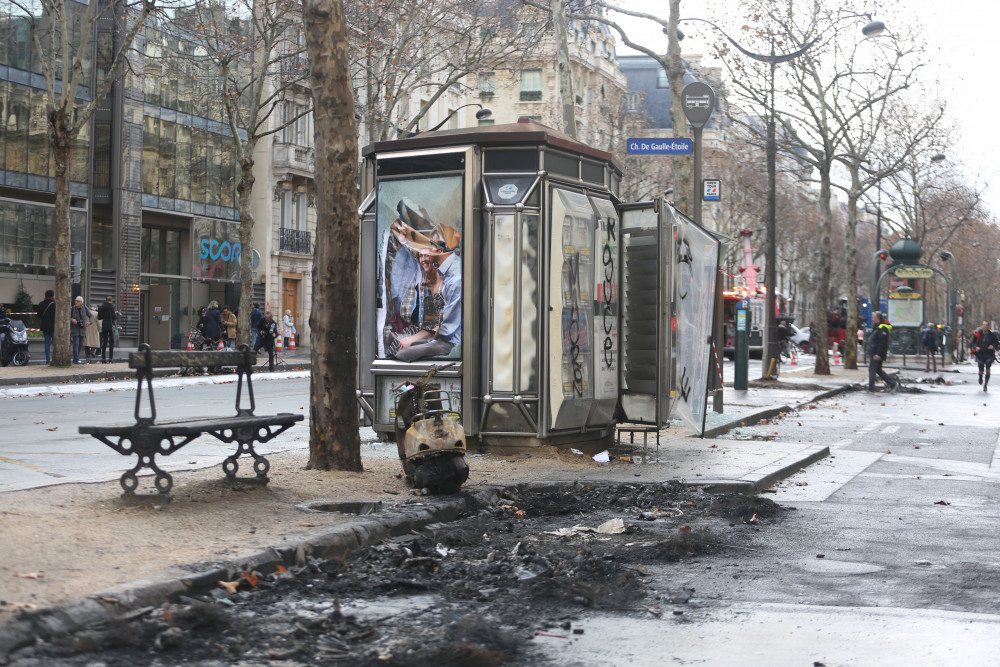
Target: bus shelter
502 256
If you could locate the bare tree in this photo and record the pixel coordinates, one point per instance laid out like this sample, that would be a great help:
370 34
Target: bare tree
63 33
333 409
254 50
405 49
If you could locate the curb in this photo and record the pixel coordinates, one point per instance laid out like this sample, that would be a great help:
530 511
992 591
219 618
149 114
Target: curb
77 378
749 420
139 596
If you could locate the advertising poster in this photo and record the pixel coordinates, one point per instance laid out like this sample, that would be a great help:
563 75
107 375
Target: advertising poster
419 305
216 249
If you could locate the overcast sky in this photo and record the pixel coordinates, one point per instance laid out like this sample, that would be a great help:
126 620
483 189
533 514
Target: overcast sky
963 55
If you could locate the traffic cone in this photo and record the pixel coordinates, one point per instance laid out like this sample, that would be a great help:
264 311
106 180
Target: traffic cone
836 356
291 341
220 345
190 347
277 344
795 358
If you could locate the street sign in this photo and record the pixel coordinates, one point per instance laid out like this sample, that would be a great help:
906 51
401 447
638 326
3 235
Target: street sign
743 304
913 272
663 146
698 102
711 189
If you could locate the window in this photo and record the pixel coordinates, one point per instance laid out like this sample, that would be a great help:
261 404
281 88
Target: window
531 85
487 83
293 210
661 79
632 101
296 121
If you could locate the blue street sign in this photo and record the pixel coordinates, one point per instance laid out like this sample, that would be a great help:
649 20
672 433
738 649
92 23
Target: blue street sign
664 146
743 303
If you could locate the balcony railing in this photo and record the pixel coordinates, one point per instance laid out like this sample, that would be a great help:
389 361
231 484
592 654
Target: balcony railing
294 240
290 156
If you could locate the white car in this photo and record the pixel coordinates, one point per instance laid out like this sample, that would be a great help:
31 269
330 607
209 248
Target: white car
801 338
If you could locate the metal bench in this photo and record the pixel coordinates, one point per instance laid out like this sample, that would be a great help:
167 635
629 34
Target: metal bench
147 438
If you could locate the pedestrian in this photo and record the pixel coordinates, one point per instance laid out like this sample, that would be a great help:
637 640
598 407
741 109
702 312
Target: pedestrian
877 349
229 326
212 329
256 315
109 324
267 333
288 323
92 341
930 345
78 322
983 343
46 312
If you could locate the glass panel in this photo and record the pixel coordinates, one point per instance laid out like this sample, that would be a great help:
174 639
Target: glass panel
216 249
227 174
512 160
214 165
102 244
420 222
504 275
199 156
102 155
38 138
182 170
564 165
528 380
150 155
18 113
172 248
508 190
165 166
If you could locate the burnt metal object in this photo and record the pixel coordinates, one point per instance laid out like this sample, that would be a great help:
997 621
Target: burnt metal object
147 437
430 438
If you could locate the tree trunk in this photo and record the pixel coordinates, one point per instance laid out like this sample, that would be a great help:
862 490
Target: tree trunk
850 249
565 69
245 189
823 296
334 441
61 144
675 75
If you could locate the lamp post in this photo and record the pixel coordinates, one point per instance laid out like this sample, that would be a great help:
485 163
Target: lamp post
772 59
953 301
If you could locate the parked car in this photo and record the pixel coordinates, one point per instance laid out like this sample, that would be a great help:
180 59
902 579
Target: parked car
801 338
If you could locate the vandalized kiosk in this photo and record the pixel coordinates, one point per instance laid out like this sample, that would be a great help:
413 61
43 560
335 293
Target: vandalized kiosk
502 256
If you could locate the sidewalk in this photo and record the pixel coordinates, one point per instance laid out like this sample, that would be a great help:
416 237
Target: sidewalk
79 553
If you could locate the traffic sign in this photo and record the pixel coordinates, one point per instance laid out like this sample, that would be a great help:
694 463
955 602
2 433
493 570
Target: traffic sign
711 189
698 102
662 146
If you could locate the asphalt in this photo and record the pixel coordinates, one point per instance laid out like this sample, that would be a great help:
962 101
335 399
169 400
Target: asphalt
748 466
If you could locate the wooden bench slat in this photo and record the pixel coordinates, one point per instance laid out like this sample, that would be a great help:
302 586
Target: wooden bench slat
186 358
197 425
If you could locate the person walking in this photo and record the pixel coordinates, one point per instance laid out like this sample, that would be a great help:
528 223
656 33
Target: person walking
930 345
109 322
288 325
984 343
877 349
229 326
46 312
213 324
92 340
79 320
256 315
267 333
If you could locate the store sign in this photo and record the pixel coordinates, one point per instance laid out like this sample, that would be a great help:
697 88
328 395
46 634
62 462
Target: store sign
214 250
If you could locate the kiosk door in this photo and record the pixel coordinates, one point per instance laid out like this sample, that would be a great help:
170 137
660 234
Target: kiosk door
645 314
696 269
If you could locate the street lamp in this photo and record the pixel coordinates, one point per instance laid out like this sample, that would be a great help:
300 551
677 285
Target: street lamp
483 112
772 59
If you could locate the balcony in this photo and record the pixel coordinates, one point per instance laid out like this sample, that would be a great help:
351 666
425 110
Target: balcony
294 240
297 159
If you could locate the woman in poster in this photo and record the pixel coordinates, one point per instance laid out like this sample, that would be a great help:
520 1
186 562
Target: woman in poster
424 338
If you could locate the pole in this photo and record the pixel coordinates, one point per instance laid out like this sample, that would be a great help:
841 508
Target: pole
770 343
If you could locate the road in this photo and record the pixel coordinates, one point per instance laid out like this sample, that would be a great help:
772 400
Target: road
41 446
890 556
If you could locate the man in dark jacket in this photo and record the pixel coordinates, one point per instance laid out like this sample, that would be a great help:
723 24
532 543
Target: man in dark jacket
78 323
255 317
46 312
108 317
878 348
984 344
